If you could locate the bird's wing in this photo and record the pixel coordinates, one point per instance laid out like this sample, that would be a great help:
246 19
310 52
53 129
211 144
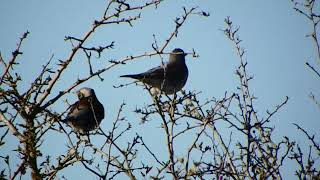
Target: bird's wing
154 73
157 73
79 108
171 71
73 107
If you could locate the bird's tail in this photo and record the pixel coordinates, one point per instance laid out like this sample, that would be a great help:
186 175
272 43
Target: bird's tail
133 76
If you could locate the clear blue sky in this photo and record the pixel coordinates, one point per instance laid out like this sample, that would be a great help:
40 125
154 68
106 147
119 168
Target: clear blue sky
272 32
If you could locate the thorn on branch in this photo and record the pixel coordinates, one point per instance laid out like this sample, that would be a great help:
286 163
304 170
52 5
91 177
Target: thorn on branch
194 54
116 62
16 53
25 34
99 49
66 38
313 69
206 14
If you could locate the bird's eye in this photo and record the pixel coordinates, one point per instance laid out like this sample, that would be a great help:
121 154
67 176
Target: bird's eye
80 95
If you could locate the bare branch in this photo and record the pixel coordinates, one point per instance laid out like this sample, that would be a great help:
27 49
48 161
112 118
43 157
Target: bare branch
12 128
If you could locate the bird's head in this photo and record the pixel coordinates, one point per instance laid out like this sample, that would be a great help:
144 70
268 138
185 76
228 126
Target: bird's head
85 92
177 55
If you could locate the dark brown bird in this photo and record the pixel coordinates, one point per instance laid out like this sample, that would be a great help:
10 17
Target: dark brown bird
86 114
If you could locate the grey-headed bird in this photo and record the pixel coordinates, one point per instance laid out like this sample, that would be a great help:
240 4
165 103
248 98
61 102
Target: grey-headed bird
168 78
87 113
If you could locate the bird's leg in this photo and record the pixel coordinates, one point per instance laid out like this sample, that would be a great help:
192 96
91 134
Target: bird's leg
88 136
78 135
82 136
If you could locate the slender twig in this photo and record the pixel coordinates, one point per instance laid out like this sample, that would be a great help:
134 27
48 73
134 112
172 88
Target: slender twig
14 56
313 69
311 138
19 169
191 147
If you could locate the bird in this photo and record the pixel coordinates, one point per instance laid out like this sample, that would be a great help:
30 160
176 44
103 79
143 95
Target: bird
169 77
86 114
